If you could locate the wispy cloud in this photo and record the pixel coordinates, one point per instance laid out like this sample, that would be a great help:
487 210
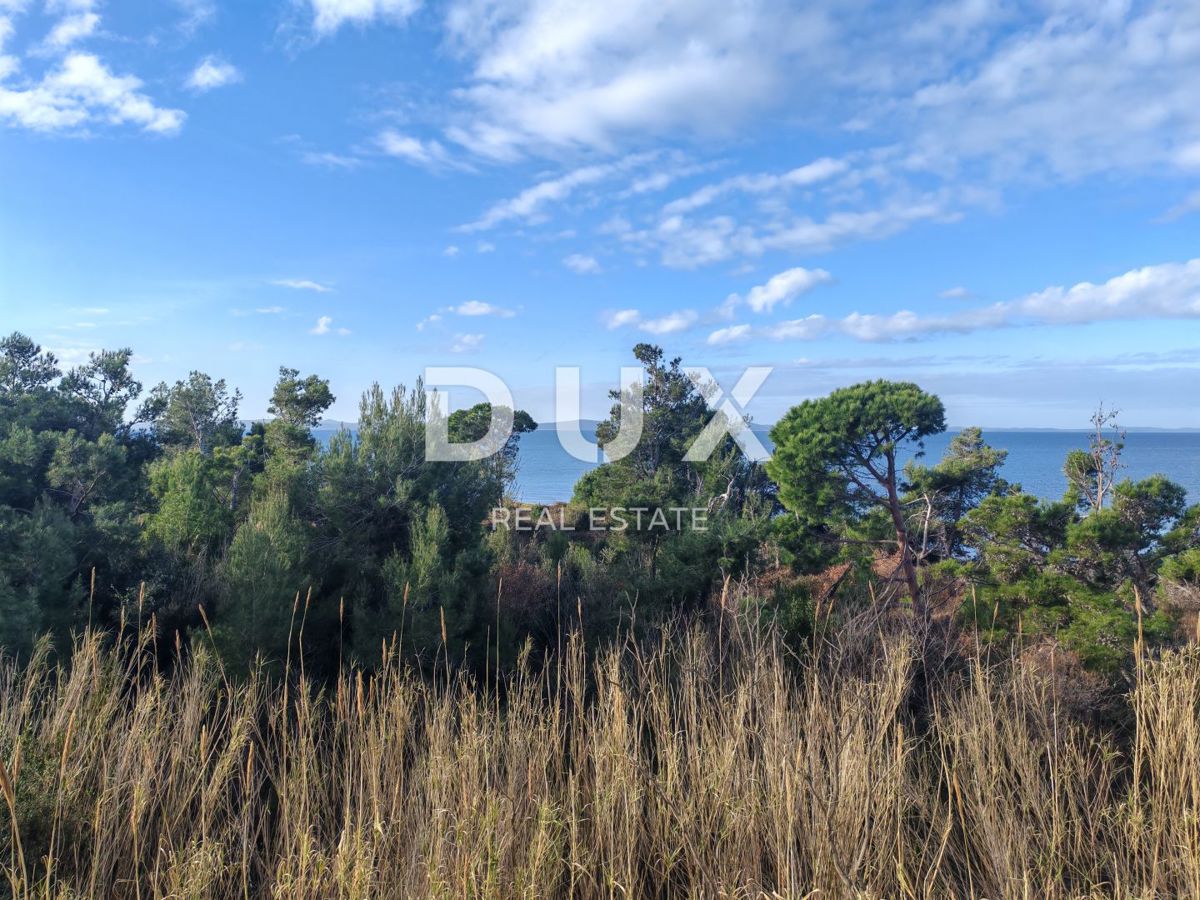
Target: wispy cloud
465 343
211 73
302 284
325 326
730 335
1167 291
328 160
471 309
802 176
480 308
427 153
530 204
779 290
669 323
73 28
547 78
1185 207
621 317
581 264
330 15
683 242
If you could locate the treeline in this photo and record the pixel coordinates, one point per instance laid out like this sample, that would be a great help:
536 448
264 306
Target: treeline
120 506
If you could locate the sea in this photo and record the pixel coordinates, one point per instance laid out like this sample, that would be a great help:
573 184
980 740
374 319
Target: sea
547 473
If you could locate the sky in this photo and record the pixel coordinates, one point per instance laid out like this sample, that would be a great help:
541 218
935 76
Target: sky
996 199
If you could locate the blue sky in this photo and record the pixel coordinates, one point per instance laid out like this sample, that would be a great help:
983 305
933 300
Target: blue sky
998 200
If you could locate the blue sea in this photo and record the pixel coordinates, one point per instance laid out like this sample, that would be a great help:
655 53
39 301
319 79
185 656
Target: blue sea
548 473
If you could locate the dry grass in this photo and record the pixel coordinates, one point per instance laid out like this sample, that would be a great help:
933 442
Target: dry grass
675 771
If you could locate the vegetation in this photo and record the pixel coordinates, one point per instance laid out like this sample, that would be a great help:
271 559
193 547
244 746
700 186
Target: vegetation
694 768
237 661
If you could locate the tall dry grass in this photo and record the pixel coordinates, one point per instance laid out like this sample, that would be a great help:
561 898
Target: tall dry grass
681 770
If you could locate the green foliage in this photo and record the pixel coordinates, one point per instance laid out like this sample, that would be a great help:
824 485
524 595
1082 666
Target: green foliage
790 608
39 580
365 542
297 405
673 413
194 514
20 619
263 575
24 367
1183 567
677 567
835 458
1129 540
101 390
470 425
968 472
837 455
198 414
1013 535
1048 569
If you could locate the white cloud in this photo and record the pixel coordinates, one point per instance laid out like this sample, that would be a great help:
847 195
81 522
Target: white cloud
779 290
955 293
807 236
479 308
269 310
1003 90
330 15
71 29
729 335
213 72
428 320
452 250
302 284
325 326
329 160
1072 89
564 73
1164 292
686 243
952 105
465 343
414 150
664 178
529 205
1188 157
582 264
805 329
485 247
621 317
83 91
1185 207
195 14
809 174
670 323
